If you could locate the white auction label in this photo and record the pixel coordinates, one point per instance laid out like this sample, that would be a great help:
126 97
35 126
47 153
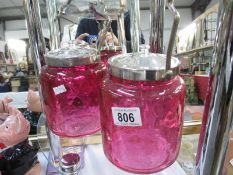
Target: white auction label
59 89
231 161
130 116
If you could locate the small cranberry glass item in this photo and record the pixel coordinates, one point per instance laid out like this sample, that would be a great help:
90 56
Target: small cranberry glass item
108 52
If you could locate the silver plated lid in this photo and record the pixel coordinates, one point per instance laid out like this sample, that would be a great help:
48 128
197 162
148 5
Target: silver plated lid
142 66
71 56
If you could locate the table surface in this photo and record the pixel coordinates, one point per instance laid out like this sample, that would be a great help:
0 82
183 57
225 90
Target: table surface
97 164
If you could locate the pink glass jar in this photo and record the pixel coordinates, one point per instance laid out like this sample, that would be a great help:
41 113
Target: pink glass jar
70 85
142 112
107 53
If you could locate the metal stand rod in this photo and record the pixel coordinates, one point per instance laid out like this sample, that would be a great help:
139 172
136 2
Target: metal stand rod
170 4
121 32
134 24
33 18
53 24
36 39
157 25
221 107
121 26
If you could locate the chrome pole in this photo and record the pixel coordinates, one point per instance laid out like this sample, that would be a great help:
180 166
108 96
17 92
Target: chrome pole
157 10
34 27
53 24
134 24
36 39
221 107
121 32
171 7
121 26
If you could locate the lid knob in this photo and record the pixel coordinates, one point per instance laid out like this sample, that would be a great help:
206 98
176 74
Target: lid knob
144 49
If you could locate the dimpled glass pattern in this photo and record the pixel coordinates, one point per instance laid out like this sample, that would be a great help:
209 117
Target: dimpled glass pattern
154 145
71 99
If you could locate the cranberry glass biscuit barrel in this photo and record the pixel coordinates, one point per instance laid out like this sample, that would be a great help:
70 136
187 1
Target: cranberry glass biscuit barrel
142 112
70 84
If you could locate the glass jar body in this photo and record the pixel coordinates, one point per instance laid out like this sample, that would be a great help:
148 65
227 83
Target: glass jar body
142 122
71 99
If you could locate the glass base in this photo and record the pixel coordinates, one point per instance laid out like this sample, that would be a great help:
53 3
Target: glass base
66 156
